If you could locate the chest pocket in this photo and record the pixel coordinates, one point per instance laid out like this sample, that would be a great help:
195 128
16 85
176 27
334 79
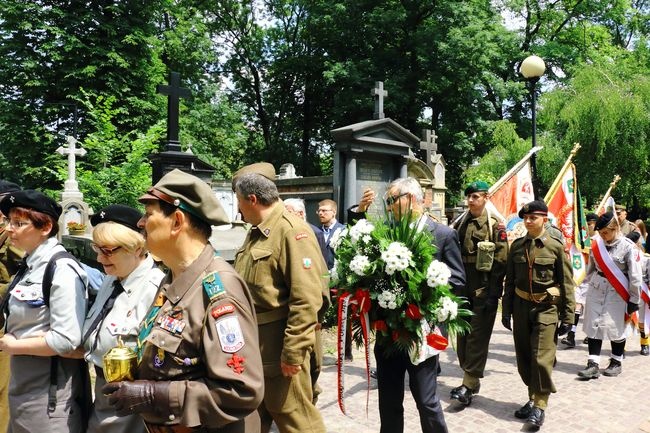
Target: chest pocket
543 270
165 340
259 271
29 292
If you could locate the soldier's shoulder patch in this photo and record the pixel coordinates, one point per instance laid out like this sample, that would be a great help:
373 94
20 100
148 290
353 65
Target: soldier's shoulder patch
221 310
302 235
212 285
231 337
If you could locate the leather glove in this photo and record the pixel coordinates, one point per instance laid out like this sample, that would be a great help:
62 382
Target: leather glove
632 307
505 321
138 396
491 304
563 329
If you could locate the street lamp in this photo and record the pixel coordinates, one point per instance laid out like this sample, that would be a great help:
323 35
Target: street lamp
532 68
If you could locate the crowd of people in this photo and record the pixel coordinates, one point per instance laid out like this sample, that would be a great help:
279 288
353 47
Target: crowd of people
236 348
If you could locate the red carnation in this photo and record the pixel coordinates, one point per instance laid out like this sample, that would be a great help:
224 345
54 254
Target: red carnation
413 312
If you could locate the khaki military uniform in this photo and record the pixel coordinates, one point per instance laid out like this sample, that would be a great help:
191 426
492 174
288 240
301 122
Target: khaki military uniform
628 227
10 256
472 348
200 334
536 306
285 271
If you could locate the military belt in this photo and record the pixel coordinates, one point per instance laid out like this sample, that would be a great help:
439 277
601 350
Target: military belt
275 315
469 259
537 297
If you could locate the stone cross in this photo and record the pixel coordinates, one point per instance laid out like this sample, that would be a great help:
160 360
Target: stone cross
429 144
72 151
174 92
379 93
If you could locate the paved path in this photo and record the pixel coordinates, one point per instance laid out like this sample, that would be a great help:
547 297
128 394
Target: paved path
612 405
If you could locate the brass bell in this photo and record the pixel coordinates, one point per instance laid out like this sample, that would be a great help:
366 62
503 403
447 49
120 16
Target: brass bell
120 363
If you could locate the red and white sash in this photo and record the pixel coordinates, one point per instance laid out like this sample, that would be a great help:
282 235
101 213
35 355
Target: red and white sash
645 297
614 275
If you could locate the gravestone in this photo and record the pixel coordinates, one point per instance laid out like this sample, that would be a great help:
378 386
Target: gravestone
74 208
172 156
430 172
369 154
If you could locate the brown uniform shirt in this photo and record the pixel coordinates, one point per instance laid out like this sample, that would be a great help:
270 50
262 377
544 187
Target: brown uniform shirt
204 340
286 273
10 257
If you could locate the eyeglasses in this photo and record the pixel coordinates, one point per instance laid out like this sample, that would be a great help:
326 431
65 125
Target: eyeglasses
14 224
390 200
104 250
324 210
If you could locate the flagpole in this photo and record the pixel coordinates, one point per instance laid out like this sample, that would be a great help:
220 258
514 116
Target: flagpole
608 193
558 180
506 177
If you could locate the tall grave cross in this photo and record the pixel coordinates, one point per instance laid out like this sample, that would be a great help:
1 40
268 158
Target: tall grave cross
174 92
429 144
71 187
379 93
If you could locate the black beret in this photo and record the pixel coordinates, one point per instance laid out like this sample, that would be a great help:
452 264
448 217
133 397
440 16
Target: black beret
119 213
189 193
592 217
634 236
31 199
478 186
535 206
7 187
604 220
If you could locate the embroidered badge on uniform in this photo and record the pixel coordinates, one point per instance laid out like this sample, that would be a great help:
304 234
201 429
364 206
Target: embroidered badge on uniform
236 363
301 236
231 337
213 286
221 310
306 263
267 232
159 358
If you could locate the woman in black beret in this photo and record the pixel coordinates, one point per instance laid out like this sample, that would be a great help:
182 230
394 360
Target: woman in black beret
44 387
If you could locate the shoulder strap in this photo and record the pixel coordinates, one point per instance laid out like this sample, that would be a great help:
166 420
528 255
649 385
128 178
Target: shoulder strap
48 275
490 225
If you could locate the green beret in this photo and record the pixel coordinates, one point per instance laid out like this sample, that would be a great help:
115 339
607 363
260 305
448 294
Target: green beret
604 220
190 194
262 168
478 186
534 207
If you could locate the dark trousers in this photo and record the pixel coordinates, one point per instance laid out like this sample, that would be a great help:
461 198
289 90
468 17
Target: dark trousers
423 381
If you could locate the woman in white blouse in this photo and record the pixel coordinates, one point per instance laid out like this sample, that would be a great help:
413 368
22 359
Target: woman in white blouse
122 302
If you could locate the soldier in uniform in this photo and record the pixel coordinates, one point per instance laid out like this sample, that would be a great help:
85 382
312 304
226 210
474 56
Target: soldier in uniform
538 293
284 268
200 367
614 279
10 257
626 226
483 287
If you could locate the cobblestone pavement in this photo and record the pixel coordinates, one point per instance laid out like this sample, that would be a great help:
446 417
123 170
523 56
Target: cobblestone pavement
612 405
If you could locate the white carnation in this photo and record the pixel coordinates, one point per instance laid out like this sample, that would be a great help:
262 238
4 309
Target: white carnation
334 275
438 274
359 264
337 237
448 310
397 257
361 228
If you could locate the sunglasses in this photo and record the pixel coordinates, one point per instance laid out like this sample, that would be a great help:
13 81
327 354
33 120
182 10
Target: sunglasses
105 250
393 198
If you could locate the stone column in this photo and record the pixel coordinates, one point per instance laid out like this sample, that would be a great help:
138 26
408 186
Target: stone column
350 182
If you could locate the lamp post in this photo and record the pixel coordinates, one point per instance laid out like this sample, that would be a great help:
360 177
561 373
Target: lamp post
532 68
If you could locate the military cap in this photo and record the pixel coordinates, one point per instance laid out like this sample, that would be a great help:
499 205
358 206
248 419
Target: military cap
477 186
31 199
633 236
189 193
537 207
604 220
262 168
7 187
591 217
118 213
619 208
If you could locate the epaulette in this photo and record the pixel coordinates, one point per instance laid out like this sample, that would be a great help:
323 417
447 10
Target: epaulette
213 286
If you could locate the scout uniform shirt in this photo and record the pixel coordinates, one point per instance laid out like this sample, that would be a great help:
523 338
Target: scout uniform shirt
285 271
200 334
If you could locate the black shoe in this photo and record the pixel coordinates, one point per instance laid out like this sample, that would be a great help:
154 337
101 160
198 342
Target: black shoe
644 350
586 340
454 391
464 395
524 411
536 418
613 369
590 372
570 340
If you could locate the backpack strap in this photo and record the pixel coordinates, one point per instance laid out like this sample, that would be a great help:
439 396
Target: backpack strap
48 275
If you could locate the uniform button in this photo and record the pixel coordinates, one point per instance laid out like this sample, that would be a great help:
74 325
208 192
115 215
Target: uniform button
172 417
162 342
